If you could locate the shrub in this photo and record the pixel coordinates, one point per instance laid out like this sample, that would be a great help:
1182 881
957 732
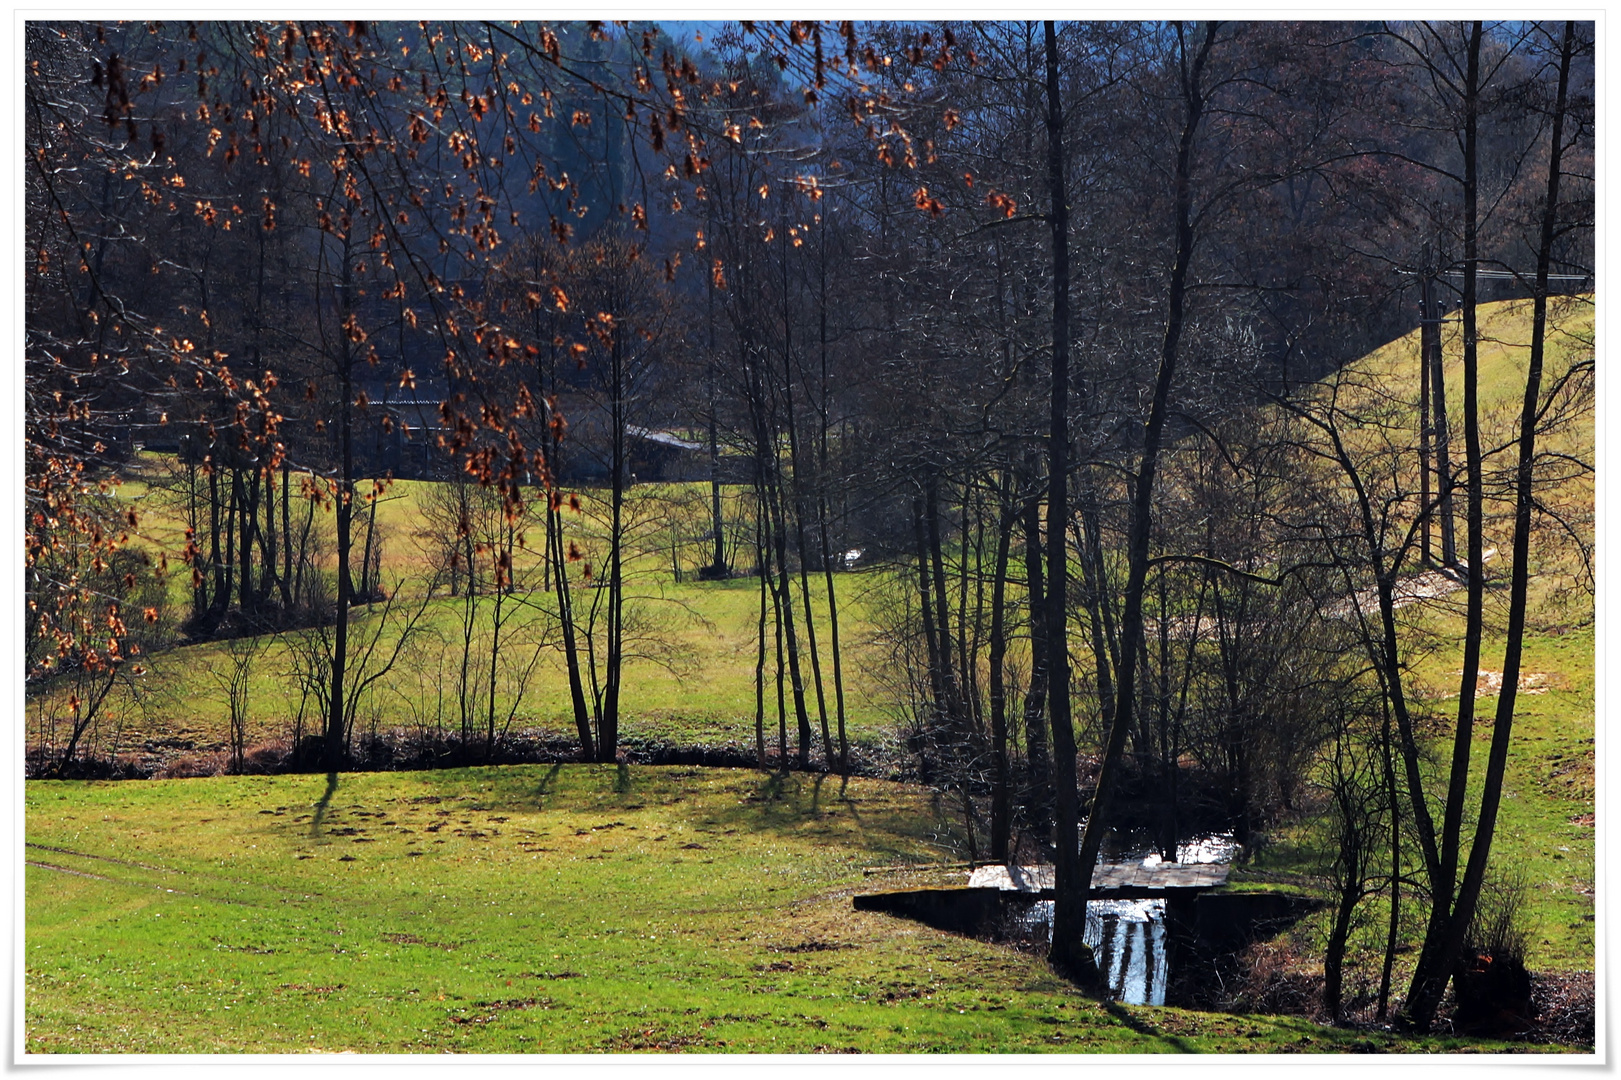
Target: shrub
1491 984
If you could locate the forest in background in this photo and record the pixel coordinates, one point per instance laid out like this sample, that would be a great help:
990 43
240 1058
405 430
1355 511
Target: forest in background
997 306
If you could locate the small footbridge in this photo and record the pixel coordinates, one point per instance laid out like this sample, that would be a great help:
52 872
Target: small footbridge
1110 881
991 891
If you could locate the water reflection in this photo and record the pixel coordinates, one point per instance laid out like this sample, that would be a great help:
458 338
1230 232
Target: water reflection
1140 847
1128 936
1128 940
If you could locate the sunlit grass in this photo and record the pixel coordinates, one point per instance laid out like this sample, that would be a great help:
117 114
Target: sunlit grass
1545 834
548 909
691 645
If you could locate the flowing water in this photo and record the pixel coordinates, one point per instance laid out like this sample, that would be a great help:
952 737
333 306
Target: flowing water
1216 848
1128 936
1128 939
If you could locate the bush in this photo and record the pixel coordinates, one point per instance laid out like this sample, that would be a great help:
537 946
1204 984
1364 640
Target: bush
1276 979
1491 985
192 766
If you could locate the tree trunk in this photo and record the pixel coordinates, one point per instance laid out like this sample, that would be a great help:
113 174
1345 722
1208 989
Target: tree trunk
782 709
608 724
785 604
565 619
931 640
968 630
1443 446
246 483
1334 957
557 555
717 565
1094 586
951 700
1440 956
1393 800
1069 952
286 538
1037 759
1001 810
822 508
1131 614
233 508
194 522
1433 969
833 631
503 584
761 570
267 539
798 504
335 742
1429 330
368 584
218 595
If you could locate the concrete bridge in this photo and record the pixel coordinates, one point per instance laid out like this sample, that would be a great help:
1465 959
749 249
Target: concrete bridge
992 891
1110 881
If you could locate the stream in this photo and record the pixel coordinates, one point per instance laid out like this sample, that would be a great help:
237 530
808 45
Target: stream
1128 936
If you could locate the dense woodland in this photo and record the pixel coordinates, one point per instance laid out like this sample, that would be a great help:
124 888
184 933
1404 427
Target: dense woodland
1049 322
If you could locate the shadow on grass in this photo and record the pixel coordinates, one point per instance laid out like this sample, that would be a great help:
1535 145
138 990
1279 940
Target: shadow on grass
888 827
324 802
1126 1017
887 823
547 781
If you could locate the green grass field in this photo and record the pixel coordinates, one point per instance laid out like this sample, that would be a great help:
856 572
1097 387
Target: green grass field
691 645
537 909
691 681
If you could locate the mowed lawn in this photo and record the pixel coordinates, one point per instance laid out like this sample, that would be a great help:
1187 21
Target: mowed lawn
535 909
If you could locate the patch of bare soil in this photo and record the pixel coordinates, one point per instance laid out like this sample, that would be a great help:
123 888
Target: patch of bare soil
1490 683
487 1011
1429 585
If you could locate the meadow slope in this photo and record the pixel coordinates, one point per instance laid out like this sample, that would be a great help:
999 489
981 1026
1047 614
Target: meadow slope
538 909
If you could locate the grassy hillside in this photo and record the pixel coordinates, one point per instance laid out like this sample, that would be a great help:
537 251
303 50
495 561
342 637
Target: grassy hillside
1546 825
1504 342
561 909
1386 384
